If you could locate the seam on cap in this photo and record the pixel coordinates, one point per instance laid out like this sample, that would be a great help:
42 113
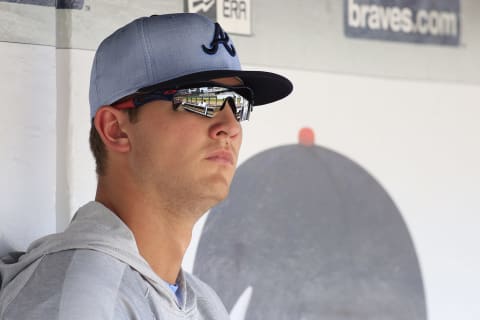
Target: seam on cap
147 44
95 88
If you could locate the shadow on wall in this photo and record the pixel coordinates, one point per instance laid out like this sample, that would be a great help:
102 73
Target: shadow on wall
5 247
306 234
59 4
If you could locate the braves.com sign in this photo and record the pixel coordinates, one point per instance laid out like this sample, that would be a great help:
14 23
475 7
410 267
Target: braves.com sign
417 21
233 15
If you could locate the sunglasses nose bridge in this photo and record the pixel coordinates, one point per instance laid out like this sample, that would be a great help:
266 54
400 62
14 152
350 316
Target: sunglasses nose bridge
231 103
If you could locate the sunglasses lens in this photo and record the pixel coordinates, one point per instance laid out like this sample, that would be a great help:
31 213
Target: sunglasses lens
208 101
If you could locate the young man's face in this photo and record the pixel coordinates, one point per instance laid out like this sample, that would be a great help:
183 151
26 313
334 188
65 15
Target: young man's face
182 157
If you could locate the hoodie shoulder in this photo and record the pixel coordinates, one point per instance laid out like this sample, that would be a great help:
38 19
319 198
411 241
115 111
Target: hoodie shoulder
74 284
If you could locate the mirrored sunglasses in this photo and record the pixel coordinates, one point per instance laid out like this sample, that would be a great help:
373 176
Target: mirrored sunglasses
205 101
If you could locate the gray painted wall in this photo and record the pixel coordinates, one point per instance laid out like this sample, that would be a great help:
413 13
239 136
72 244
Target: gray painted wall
316 229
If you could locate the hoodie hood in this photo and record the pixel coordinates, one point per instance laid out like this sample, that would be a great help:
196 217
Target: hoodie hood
93 227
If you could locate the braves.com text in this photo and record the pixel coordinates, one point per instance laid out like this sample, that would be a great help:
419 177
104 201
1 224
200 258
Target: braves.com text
402 19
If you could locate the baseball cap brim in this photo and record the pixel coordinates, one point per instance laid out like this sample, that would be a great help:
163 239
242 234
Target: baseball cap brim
267 87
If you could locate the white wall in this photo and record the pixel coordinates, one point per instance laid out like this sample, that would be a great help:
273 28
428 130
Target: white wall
420 141
28 144
79 168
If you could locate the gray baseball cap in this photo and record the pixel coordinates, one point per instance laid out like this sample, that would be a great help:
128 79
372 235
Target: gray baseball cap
170 51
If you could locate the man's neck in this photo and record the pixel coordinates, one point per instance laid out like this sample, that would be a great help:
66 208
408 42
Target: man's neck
162 234
162 240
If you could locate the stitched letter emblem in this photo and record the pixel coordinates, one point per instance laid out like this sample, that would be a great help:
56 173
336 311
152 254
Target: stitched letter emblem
219 37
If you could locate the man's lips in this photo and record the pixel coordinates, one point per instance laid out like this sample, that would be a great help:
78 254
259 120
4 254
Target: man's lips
221 156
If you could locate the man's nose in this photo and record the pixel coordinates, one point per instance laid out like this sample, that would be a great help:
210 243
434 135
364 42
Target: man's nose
226 124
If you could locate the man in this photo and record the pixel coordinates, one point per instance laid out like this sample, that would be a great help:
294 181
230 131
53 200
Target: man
166 99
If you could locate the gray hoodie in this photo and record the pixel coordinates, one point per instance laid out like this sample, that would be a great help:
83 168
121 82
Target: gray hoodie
94 271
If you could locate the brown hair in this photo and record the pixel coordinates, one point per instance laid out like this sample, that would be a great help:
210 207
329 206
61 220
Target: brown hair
98 147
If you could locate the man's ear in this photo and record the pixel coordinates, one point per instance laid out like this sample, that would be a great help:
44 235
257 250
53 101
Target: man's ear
108 122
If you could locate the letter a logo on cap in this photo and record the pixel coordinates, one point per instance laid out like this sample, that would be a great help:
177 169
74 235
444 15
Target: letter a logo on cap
219 37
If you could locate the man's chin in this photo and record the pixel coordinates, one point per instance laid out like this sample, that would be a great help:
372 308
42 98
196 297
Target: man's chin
218 191
222 194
